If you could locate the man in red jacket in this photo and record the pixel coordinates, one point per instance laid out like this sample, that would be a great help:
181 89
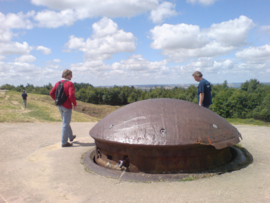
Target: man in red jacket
66 108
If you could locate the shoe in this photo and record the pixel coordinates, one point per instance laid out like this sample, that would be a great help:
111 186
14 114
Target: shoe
67 145
74 136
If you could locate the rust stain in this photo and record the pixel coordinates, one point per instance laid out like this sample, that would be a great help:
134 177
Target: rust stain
209 141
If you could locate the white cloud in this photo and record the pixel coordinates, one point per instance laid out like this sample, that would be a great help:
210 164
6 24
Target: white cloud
164 10
2 58
5 35
226 65
133 69
178 36
22 73
53 66
73 10
220 70
96 67
203 2
44 50
232 32
97 8
14 21
104 27
266 28
255 54
2 70
52 19
15 48
25 59
19 20
139 64
181 42
106 40
57 60
204 64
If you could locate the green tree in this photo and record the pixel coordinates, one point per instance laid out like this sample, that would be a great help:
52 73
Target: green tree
132 97
262 112
8 87
238 104
221 103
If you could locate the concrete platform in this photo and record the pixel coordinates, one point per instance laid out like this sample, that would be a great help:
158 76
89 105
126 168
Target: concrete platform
35 168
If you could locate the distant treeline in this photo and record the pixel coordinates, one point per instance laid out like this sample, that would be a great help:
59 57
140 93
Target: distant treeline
252 100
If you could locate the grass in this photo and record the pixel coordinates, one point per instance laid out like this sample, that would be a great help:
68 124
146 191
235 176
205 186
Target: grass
41 108
40 113
247 121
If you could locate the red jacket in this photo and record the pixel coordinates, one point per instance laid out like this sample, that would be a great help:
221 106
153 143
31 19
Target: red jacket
69 92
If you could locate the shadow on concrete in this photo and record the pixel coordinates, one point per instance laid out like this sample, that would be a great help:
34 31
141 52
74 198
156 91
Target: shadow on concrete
82 144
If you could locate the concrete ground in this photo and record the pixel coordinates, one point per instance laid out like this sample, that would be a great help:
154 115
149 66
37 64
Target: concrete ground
34 168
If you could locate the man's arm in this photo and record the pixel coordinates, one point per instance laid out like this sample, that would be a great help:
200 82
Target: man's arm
201 98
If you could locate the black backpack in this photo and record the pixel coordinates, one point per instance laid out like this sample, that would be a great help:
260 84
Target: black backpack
60 96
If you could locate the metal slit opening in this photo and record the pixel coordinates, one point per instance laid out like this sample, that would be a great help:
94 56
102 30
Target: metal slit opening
109 157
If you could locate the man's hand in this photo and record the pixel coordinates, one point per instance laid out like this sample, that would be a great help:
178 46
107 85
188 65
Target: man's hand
74 107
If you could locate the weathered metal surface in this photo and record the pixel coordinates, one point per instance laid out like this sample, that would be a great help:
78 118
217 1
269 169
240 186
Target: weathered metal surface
163 136
160 159
166 122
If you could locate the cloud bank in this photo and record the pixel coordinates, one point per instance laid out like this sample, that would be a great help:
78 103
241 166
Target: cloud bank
182 41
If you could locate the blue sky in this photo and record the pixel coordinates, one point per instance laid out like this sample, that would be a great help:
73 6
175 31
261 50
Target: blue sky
132 42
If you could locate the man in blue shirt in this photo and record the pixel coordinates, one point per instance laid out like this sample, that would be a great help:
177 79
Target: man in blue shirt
204 90
24 96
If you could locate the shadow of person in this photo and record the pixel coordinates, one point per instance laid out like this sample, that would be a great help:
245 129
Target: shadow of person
83 144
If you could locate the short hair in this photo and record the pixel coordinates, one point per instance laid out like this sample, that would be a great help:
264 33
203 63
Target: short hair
66 72
23 90
197 73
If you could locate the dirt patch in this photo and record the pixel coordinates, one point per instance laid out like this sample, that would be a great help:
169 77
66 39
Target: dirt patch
94 110
15 102
22 110
2 94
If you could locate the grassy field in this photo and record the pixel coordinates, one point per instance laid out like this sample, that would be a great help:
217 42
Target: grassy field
41 108
248 121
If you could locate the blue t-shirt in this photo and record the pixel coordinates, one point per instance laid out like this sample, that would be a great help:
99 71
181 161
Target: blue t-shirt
24 95
205 87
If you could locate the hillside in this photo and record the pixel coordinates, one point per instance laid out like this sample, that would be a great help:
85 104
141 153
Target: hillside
41 108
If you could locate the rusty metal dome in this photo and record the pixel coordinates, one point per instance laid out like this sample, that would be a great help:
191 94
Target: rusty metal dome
163 122
164 136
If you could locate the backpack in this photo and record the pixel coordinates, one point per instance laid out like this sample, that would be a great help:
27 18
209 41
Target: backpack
60 96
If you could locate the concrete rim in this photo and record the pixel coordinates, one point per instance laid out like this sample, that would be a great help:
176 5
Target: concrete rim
242 158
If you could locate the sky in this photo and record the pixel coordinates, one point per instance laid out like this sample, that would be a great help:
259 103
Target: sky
134 42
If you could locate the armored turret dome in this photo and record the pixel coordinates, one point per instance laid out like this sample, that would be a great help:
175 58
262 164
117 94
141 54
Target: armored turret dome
166 122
